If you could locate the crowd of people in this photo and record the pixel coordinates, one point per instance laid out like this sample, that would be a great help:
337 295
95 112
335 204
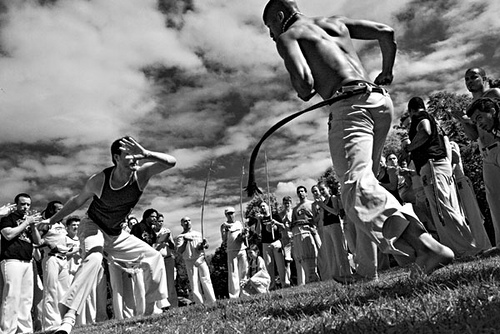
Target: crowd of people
415 206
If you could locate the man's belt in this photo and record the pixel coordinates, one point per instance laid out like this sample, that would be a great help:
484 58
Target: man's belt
59 256
356 84
356 87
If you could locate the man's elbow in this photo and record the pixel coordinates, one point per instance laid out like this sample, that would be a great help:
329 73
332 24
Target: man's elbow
8 236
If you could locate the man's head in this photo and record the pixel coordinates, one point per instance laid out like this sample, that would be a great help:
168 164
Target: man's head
277 13
23 203
302 192
483 112
119 156
416 105
475 79
150 216
186 223
72 224
287 201
392 160
229 213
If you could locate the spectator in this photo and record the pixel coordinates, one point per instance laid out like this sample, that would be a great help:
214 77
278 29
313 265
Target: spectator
286 237
333 242
479 85
304 247
56 278
268 227
18 234
258 278
165 245
192 245
429 153
233 236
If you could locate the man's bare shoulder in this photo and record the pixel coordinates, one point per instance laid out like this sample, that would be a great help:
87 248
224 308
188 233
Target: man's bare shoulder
95 182
492 92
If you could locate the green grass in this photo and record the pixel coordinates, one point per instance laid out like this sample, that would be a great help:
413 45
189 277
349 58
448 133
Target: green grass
463 297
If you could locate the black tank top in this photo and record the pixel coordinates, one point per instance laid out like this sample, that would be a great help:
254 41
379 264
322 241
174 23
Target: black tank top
434 147
114 205
328 217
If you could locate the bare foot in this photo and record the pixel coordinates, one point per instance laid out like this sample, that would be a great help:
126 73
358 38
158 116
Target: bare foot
430 254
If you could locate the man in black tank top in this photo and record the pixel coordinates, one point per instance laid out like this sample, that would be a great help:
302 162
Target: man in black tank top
429 153
114 193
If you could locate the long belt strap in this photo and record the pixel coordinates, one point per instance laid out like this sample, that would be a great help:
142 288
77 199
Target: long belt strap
252 187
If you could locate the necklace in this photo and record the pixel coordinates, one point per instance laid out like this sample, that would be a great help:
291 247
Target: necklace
284 27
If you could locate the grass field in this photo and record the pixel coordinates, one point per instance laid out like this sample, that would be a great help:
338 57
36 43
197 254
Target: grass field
462 298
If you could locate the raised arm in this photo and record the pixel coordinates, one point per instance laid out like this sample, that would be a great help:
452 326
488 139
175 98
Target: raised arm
369 30
157 161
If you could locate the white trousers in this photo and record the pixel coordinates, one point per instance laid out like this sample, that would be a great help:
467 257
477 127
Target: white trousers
17 297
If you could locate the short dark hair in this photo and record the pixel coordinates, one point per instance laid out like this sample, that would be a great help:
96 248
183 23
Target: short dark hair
301 187
16 199
287 198
416 103
50 210
72 219
148 213
116 148
479 70
483 104
255 248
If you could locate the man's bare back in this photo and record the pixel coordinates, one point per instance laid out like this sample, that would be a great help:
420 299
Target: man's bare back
326 45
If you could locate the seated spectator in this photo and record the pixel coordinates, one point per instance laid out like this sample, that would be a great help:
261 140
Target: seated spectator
258 278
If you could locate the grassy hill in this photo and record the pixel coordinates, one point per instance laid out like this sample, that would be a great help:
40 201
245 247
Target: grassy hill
464 298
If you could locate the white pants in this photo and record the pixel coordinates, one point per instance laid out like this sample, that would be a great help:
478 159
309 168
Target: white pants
17 297
334 252
56 281
237 266
170 269
124 247
198 272
272 255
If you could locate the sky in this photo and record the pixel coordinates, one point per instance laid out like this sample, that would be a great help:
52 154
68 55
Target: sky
202 81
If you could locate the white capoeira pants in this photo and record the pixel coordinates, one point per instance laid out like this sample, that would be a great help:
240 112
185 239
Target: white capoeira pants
124 248
17 297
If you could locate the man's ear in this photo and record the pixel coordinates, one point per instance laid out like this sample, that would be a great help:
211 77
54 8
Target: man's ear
281 16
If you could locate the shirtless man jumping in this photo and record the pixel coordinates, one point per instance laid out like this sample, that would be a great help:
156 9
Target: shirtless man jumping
320 58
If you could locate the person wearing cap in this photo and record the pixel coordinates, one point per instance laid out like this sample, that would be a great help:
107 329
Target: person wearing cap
428 151
233 235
